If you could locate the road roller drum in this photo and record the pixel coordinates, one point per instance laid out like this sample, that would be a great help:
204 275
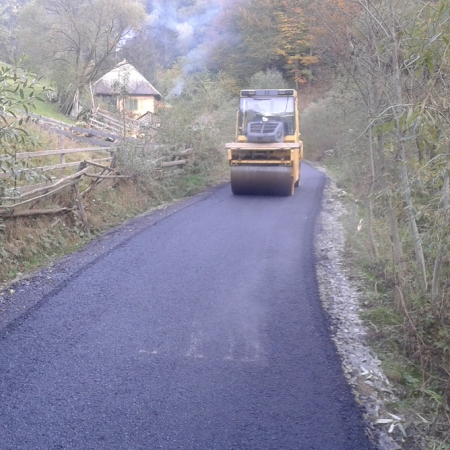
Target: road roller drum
262 180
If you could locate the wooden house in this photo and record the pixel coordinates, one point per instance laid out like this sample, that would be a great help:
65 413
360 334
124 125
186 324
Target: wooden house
125 86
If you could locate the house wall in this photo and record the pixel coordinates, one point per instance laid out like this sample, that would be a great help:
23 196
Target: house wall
145 104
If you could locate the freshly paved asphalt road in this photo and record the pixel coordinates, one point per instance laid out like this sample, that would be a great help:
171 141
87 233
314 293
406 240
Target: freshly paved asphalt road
202 331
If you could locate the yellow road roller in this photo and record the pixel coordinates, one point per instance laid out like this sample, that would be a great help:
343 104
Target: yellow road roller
266 157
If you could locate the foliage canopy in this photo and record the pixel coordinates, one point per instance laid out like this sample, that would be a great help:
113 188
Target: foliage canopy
77 38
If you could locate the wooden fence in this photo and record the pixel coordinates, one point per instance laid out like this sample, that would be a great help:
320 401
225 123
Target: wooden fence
91 136
20 201
108 122
104 129
62 158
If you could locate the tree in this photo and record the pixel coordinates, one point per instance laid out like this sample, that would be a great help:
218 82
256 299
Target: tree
259 35
295 43
9 13
394 65
224 51
18 92
268 79
201 117
141 51
77 39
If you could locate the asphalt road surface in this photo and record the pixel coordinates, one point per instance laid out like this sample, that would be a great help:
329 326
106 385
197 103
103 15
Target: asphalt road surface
202 331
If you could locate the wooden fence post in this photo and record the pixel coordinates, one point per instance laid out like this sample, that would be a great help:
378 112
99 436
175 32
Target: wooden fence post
62 158
79 201
81 209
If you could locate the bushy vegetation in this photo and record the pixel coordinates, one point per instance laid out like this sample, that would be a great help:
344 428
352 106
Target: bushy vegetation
383 131
202 118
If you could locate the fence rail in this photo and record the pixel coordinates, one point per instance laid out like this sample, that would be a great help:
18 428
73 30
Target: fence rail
62 160
103 137
96 170
106 121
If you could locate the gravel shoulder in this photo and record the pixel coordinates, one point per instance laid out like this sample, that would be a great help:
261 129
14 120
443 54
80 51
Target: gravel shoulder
339 297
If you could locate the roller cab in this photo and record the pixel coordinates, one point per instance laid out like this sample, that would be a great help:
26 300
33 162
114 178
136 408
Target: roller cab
266 157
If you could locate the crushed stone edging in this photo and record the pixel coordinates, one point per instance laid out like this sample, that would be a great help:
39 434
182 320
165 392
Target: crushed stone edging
339 297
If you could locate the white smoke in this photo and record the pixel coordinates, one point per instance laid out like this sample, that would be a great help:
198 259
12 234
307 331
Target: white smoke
190 29
178 89
185 34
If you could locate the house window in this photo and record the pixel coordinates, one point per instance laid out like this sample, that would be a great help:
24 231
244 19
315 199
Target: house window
131 104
